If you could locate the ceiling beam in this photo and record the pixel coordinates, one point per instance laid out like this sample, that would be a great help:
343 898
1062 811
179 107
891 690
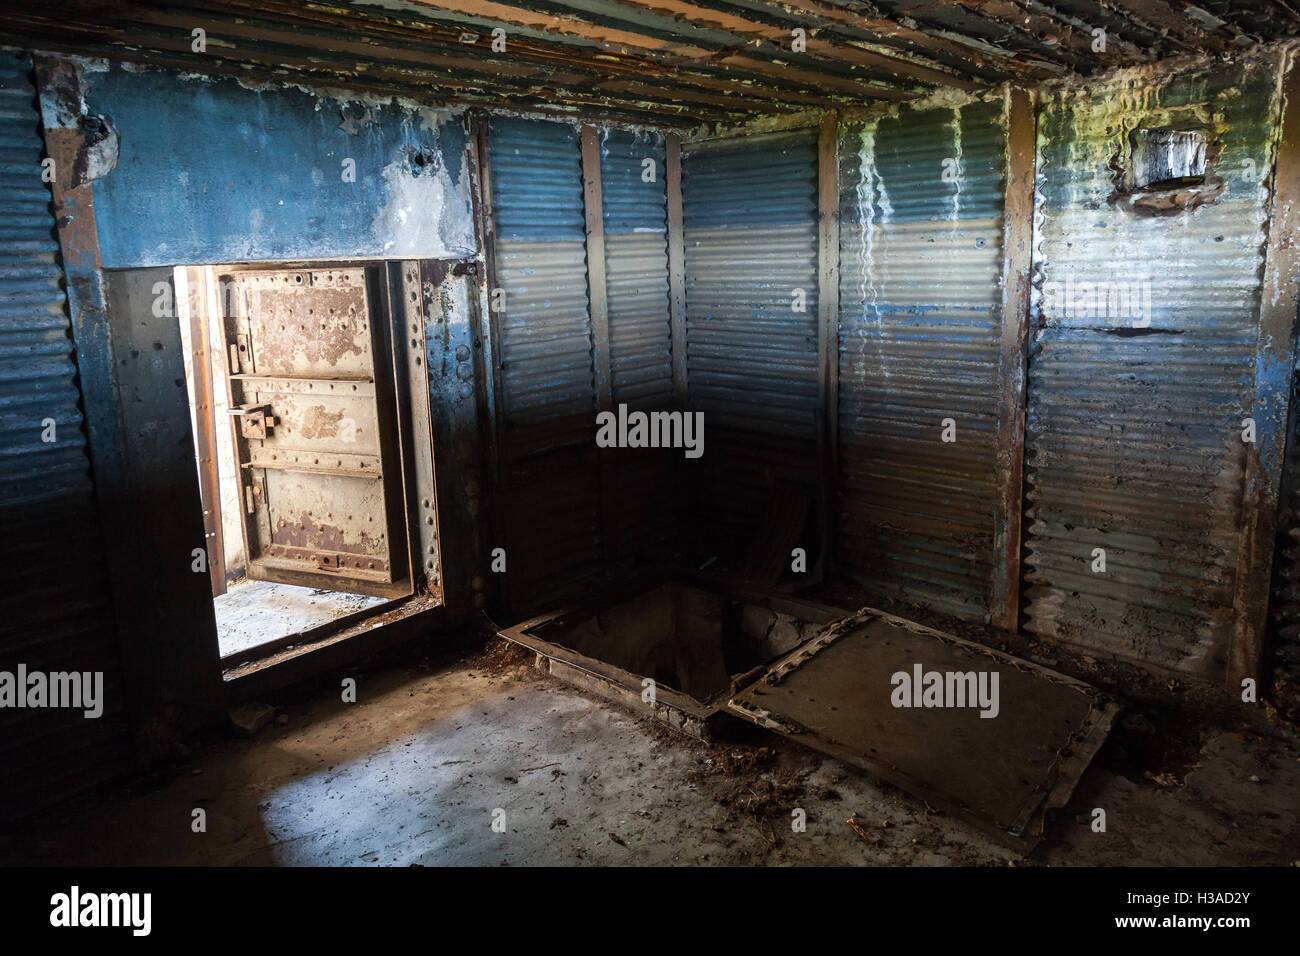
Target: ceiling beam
781 37
379 55
1161 18
281 66
884 31
677 54
1072 35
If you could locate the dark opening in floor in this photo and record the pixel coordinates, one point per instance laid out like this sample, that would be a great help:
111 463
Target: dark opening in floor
683 637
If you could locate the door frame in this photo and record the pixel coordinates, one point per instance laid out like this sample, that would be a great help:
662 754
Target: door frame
405 417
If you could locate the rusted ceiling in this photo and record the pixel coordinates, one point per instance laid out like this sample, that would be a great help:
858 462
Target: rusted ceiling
670 61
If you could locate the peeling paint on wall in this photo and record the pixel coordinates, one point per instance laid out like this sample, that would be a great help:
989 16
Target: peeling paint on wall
422 215
1143 367
921 196
211 171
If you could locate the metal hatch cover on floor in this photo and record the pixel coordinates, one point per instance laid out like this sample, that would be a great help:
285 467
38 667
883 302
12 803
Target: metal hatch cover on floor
996 740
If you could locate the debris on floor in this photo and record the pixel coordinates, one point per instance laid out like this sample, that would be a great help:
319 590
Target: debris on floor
250 718
412 778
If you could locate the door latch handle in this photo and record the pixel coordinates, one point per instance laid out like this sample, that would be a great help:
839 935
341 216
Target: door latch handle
255 421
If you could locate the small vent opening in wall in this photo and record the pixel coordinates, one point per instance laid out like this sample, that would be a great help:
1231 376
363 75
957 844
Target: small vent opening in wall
1166 172
1167 158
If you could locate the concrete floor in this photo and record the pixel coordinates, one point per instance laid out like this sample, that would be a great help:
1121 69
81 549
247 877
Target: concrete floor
412 772
251 613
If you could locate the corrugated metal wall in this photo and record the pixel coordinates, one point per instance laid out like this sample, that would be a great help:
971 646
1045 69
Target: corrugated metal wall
55 611
638 483
548 398
1134 424
921 198
750 233
636 267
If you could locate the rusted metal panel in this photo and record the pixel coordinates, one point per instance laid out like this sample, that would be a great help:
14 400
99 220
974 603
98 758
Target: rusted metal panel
1274 369
1143 368
751 261
1017 241
205 425
413 327
51 620
440 306
996 740
597 284
485 213
548 397
920 331
319 468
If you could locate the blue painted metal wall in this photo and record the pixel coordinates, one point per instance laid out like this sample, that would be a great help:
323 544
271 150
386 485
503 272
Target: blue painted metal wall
546 366
638 484
55 612
636 267
750 232
921 199
1134 441
210 172
548 396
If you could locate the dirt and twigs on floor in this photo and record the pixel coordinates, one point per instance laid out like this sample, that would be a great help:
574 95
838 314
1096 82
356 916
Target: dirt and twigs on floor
467 755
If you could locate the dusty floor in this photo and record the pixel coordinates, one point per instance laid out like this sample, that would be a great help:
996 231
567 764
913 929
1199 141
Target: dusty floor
254 612
413 772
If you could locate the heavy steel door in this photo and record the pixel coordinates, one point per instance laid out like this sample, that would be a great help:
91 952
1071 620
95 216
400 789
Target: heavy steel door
312 406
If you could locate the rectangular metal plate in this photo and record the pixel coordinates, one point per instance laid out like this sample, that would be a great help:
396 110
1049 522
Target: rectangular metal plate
838 694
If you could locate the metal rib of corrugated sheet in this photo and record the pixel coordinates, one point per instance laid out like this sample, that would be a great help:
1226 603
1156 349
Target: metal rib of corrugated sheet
56 610
547 376
1134 426
750 233
921 198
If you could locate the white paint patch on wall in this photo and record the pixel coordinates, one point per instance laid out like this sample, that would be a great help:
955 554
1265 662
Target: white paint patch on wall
424 214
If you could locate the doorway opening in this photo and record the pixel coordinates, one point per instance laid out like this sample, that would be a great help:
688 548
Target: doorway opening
294 397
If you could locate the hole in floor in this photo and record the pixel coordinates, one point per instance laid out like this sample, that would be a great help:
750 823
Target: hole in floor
683 637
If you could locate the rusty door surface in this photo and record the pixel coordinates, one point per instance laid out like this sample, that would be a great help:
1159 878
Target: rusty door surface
311 416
